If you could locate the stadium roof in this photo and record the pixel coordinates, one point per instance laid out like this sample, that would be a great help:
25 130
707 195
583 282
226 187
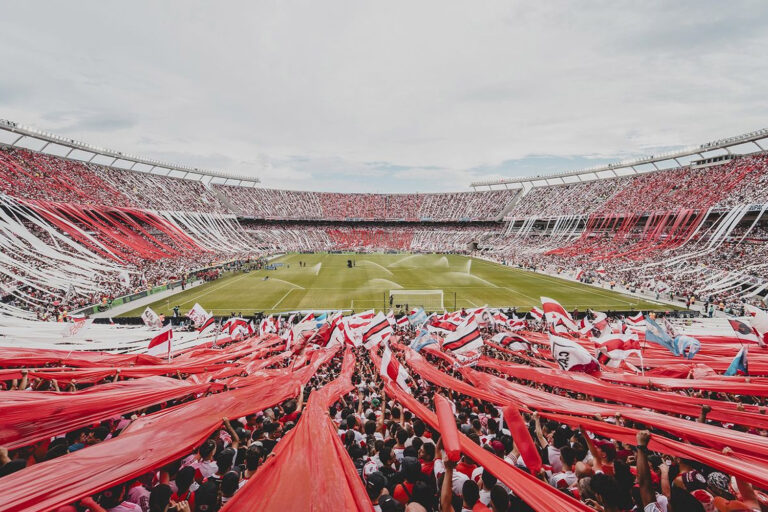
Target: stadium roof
630 167
150 165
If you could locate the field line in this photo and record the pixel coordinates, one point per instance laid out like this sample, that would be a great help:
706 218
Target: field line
518 292
282 299
211 290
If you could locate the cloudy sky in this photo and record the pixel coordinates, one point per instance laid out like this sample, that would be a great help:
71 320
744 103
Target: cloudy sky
386 96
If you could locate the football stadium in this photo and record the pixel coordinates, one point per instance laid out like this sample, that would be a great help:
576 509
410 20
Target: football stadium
332 265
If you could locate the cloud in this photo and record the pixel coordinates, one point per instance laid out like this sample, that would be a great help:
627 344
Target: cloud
391 97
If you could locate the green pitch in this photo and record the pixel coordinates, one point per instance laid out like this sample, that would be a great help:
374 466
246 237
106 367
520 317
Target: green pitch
326 283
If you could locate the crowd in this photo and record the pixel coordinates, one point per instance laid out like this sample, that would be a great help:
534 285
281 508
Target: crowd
30 175
600 454
738 181
627 225
286 204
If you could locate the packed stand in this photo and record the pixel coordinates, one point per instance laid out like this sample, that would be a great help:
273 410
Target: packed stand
518 433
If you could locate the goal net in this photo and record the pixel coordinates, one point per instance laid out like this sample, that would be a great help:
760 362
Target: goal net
429 300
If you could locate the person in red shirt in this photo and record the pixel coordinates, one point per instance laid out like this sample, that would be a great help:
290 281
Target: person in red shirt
466 466
427 458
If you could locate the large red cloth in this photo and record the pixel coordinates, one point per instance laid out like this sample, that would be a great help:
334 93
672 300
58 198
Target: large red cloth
31 417
503 392
539 495
660 401
522 437
310 469
146 444
448 431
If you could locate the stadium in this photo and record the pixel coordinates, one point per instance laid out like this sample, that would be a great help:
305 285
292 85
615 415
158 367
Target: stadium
179 338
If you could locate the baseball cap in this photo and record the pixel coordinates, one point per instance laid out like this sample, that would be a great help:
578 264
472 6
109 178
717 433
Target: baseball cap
388 504
375 482
693 480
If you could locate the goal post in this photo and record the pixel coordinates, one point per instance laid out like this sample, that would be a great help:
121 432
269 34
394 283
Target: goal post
429 300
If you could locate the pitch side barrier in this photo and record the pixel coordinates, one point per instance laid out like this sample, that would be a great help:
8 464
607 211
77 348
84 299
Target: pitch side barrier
257 317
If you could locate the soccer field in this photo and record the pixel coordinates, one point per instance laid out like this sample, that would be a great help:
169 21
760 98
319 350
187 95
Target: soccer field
326 283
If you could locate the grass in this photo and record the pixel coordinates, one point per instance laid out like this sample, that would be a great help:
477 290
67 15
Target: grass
326 283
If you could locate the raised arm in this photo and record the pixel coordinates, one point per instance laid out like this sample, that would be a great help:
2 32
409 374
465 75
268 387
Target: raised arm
300 403
539 434
643 469
748 495
235 437
597 457
446 490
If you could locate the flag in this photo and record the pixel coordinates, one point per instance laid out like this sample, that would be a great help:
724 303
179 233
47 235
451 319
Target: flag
361 320
160 345
391 319
268 325
758 319
211 320
615 348
655 333
686 346
198 315
555 313
339 334
465 338
422 339
378 331
78 323
402 322
465 359
151 319
417 317
238 328
579 273
392 369
739 364
636 320
512 341
571 356
537 313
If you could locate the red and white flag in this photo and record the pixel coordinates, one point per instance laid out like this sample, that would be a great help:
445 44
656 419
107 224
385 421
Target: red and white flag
378 331
512 341
268 325
636 320
556 314
758 319
571 356
612 349
465 338
537 313
402 322
198 315
361 320
208 322
152 319
392 369
160 345
238 328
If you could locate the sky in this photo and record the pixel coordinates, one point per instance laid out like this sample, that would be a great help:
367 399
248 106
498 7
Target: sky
397 96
